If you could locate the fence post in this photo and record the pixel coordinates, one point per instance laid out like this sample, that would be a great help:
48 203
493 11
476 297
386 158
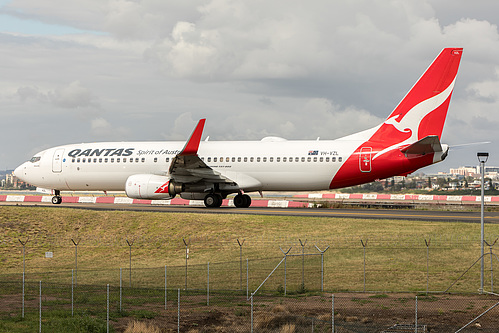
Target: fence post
186 257
22 312
40 315
247 277
178 311
303 264
23 243
364 246
76 259
208 287
332 313
252 312
427 263
121 286
72 292
416 326
165 287
322 266
107 317
240 263
130 246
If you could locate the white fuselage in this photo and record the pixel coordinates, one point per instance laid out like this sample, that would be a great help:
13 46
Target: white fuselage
267 165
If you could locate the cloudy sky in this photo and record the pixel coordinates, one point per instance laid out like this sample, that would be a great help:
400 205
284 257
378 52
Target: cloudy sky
107 70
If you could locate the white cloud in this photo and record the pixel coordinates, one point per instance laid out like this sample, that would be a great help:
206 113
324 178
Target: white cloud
150 69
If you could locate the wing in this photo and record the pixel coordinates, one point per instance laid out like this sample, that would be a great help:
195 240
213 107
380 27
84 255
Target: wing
187 167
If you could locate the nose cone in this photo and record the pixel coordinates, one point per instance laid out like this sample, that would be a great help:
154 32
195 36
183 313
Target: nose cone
18 172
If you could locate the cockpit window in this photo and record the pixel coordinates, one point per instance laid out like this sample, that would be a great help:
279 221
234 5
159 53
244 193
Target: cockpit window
35 159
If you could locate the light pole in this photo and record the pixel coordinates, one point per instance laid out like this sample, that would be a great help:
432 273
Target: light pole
482 158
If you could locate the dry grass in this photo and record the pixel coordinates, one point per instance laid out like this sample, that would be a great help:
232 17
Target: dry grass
395 252
141 327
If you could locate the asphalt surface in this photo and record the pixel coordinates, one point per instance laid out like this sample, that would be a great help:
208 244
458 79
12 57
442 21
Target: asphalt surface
398 214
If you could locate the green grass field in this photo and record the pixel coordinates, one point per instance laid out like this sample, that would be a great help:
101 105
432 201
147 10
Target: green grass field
395 251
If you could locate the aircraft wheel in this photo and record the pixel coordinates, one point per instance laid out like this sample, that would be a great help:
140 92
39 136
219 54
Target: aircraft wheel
247 200
213 200
239 201
56 200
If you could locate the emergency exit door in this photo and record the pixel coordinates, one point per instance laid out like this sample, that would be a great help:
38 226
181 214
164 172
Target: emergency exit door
365 159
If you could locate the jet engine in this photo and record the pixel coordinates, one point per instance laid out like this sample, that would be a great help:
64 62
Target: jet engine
147 186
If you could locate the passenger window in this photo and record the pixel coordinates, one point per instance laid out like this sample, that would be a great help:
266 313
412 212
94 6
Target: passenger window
227 159
83 161
252 159
265 159
137 160
321 159
284 159
333 159
143 159
155 160
278 159
297 159
315 159
303 159
214 159
105 160
327 159
271 159
245 159
339 159
73 160
258 159
309 159
112 160
124 159
221 159
78 161
239 159
209 159
118 160
167 159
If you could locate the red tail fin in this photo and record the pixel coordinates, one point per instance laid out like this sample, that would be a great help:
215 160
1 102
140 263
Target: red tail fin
423 110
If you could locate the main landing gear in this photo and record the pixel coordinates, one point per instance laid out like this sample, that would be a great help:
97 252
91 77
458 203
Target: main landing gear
242 201
57 199
213 200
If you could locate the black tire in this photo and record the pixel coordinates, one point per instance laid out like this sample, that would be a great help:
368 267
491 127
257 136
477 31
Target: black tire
247 200
213 200
56 200
239 201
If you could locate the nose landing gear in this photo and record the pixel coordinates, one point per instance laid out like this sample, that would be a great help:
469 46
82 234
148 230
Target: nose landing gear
57 199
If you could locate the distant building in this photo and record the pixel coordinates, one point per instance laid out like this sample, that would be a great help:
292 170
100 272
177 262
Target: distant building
465 171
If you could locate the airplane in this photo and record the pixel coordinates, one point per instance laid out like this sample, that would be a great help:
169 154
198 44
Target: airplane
407 140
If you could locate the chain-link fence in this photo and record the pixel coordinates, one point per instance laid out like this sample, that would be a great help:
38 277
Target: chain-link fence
101 308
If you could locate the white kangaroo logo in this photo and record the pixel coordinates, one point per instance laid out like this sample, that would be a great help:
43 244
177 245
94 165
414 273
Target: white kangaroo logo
409 123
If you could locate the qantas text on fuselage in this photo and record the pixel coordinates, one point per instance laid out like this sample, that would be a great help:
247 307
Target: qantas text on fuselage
407 140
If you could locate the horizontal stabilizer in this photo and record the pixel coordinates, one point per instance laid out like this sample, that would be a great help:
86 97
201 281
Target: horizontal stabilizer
429 144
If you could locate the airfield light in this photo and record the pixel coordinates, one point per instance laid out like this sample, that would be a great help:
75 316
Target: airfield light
482 158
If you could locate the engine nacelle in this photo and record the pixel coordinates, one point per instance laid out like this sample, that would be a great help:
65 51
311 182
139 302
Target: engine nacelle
147 186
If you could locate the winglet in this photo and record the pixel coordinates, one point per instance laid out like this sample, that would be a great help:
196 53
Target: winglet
192 145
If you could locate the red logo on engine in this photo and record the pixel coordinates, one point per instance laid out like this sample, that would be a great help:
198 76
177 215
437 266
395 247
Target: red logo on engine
163 188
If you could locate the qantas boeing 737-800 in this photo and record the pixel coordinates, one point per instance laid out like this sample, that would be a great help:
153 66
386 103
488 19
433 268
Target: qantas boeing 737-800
407 140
